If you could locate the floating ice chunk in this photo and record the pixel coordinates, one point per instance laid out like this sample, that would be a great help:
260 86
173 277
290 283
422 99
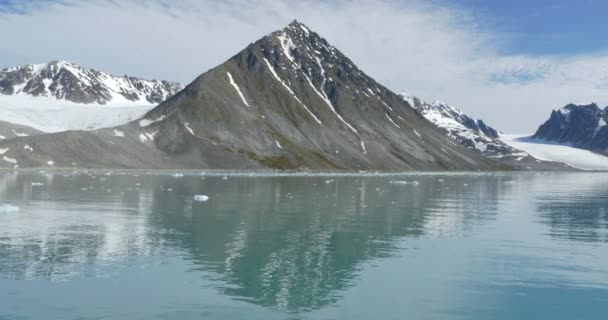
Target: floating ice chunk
177 175
50 163
37 184
278 144
328 181
201 198
27 147
3 151
7 208
441 180
119 133
403 183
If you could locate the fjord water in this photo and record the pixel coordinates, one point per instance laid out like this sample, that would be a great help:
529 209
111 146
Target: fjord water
97 245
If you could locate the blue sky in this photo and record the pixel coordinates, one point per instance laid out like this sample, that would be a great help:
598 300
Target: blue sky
544 26
509 62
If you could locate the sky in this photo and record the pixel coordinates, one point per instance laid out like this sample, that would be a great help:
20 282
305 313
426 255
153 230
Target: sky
507 62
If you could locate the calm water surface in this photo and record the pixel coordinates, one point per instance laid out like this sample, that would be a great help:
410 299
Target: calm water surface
462 246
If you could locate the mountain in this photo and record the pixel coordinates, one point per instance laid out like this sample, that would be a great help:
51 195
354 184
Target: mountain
475 135
288 101
582 126
60 96
67 81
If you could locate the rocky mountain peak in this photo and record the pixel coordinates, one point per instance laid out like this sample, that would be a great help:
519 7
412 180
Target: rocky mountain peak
583 126
64 80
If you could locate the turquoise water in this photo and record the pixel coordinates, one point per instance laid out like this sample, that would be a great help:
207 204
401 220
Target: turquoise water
462 246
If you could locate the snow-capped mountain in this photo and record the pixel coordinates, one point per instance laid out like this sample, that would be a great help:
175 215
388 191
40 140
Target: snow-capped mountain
582 126
67 81
60 96
468 131
288 101
474 134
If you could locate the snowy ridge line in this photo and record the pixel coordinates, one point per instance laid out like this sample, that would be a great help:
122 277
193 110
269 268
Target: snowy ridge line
236 87
276 76
98 87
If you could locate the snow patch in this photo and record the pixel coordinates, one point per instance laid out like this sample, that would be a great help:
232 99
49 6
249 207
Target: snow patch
9 160
18 134
276 76
146 122
392 121
187 125
236 87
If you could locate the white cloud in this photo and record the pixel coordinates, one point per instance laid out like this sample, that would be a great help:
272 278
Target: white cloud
431 51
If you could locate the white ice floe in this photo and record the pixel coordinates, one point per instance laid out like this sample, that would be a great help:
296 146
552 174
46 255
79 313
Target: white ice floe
236 87
37 184
548 151
50 163
118 133
404 183
200 198
7 208
278 144
27 147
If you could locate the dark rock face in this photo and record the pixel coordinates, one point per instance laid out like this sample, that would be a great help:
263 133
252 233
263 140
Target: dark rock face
67 81
582 126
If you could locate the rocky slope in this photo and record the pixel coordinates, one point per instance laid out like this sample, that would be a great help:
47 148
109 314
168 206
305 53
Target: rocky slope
475 135
582 126
288 101
67 81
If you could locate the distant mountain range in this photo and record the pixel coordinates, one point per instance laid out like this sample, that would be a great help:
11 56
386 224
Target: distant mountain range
67 81
60 96
474 134
289 101
582 126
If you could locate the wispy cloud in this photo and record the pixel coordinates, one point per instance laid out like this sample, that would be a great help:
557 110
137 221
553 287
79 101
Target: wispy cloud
437 52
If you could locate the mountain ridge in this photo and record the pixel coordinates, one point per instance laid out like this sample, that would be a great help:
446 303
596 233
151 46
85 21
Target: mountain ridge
582 126
64 80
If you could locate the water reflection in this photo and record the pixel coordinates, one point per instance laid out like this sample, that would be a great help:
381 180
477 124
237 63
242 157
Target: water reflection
288 243
575 207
